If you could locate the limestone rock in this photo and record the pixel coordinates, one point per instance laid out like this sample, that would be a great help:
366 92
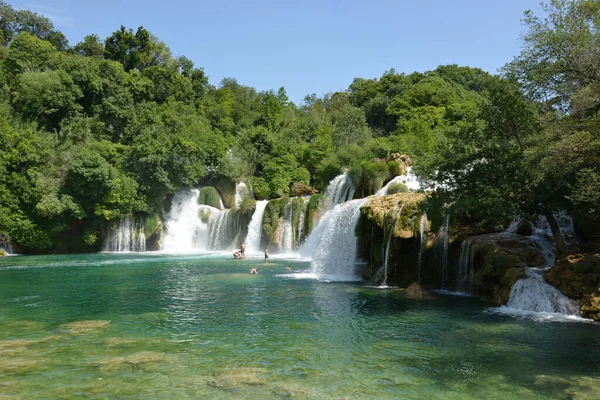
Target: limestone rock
416 291
377 210
590 306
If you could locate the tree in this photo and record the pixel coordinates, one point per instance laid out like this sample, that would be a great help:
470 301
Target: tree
91 46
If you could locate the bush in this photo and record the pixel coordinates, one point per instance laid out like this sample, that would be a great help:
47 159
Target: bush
210 196
261 188
397 188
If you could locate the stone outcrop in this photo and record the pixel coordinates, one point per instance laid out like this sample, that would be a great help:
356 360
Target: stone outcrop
578 276
377 211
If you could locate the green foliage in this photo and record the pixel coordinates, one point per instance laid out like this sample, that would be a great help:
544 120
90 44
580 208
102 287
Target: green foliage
397 187
210 197
261 188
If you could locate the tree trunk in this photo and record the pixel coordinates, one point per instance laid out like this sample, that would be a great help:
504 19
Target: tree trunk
559 241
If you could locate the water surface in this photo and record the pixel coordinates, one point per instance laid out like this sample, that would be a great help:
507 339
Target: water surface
200 326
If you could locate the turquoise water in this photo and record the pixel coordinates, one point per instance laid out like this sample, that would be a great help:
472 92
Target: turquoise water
184 327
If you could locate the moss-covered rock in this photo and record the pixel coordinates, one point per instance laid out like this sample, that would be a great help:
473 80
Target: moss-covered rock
397 187
301 189
377 210
313 212
590 306
210 196
2 253
576 276
273 212
226 188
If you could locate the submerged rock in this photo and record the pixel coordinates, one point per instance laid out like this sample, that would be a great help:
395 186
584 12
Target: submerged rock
135 361
416 291
85 327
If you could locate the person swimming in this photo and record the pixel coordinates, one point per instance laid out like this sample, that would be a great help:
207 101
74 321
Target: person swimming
253 271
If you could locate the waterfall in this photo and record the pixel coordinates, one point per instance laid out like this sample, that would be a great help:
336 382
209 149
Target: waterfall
5 244
422 225
409 179
300 234
533 294
255 227
241 193
184 229
384 190
464 277
338 191
334 256
286 230
441 250
387 247
127 236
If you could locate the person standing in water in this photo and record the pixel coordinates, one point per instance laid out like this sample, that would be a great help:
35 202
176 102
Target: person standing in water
243 250
253 271
266 255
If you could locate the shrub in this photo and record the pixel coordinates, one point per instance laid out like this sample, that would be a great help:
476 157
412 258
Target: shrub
210 196
397 188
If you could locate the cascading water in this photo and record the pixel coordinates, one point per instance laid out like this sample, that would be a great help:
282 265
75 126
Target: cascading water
334 257
464 277
387 247
184 229
286 230
192 227
409 179
127 236
300 235
533 294
422 226
338 191
255 227
6 245
441 250
241 193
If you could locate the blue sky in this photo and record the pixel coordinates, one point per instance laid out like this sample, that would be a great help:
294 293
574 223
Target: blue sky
309 46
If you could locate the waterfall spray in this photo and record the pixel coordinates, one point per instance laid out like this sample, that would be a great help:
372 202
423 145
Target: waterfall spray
422 225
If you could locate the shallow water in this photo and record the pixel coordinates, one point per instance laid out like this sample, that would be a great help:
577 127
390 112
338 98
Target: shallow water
200 326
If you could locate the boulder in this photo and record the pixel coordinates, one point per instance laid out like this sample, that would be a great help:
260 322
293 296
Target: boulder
590 306
416 291
524 228
300 189
2 253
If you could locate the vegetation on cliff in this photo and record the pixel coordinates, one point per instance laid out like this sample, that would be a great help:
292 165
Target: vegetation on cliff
106 129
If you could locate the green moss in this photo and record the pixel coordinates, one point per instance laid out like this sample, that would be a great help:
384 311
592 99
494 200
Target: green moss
397 188
369 176
407 225
226 188
210 196
248 205
312 210
152 225
273 211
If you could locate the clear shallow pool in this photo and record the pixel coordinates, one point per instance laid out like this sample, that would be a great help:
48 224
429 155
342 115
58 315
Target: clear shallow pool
159 326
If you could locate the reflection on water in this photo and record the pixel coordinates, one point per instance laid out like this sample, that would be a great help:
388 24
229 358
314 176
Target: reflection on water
197 326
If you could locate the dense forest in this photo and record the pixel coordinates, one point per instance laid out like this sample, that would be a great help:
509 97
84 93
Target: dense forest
106 129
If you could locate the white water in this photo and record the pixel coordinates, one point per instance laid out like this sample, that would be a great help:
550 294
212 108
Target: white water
533 294
300 236
184 230
409 179
338 191
422 225
334 256
464 275
241 193
255 227
286 230
128 236
441 253
5 245
542 235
